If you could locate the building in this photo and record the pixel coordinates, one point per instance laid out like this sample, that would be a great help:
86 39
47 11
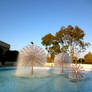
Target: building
6 55
4 47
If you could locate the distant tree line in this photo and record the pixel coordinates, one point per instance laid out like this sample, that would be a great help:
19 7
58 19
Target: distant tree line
87 59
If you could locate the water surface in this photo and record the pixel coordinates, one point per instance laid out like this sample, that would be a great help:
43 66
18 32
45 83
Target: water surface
53 83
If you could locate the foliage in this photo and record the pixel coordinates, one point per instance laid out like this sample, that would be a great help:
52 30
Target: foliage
48 39
88 58
49 60
51 44
73 37
64 49
81 60
74 59
68 39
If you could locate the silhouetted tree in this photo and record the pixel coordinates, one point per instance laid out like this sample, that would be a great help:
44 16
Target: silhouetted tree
81 60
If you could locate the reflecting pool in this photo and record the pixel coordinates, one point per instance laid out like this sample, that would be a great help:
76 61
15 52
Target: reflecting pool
53 83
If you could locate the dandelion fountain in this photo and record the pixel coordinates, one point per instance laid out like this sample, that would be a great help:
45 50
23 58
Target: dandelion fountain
30 61
77 72
63 65
62 62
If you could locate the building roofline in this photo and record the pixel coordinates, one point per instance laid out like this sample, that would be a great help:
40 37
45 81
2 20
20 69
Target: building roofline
3 44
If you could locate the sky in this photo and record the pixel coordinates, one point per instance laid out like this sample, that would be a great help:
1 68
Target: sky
23 21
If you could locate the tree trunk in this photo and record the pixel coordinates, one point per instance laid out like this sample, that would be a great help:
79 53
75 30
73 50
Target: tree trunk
32 68
62 67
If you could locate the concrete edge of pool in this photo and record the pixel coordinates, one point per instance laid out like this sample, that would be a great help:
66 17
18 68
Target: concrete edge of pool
86 67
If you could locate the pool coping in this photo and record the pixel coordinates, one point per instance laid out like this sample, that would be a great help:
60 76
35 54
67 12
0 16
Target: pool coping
7 68
86 67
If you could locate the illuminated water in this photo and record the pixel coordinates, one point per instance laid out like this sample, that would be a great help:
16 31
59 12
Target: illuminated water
53 83
29 57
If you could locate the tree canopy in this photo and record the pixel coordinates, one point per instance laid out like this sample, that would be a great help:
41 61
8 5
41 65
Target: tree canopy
88 58
68 39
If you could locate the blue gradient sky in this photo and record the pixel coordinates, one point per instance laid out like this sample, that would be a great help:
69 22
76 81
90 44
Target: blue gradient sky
22 21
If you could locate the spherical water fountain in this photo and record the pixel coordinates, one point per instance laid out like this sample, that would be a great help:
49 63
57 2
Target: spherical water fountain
62 63
31 59
76 72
